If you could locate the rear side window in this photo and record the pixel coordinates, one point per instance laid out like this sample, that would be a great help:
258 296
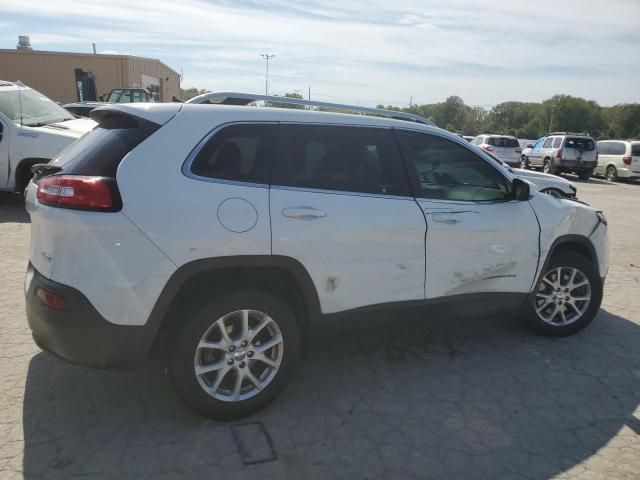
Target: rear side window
583 144
99 152
242 153
635 149
557 142
616 148
547 142
348 159
504 142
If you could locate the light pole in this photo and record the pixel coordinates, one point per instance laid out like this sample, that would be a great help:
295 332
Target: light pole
267 57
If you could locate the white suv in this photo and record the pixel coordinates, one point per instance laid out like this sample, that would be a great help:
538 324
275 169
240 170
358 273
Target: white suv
220 233
505 147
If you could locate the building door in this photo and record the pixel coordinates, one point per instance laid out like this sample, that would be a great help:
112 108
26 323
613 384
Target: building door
85 85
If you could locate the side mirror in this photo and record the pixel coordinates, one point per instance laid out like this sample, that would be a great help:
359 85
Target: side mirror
520 190
529 145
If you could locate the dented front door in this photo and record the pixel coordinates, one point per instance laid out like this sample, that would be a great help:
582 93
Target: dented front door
479 248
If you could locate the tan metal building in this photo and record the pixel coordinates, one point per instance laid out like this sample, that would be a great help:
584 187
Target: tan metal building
69 77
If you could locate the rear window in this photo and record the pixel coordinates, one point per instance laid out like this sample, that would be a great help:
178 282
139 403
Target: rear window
503 142
584 144
635 149
99 152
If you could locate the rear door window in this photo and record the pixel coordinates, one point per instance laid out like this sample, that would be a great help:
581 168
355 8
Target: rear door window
99 152
582 144
503 142
617 148
242 153
340 158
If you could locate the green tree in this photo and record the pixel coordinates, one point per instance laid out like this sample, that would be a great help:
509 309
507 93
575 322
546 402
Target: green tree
289 105
186 94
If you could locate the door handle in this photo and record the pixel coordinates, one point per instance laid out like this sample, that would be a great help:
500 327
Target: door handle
303 213
443 218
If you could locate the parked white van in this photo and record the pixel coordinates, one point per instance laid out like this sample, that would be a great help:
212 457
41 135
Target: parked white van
33 129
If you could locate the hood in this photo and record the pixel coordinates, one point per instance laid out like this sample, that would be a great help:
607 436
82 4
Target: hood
533 175
73 128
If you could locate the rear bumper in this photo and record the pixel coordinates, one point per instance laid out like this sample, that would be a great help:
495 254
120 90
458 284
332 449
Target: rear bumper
576 164
627 173
80 334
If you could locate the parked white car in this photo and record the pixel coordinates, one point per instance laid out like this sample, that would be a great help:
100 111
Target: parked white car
220 233
33 129
545 183
618 159
505 147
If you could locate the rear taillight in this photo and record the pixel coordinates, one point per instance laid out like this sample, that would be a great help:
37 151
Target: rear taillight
488 148
51 300
559 154
626 160
78 192
518 150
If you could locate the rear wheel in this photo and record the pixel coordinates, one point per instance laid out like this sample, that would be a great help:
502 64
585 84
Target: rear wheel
612 173
585 174
524 163
567 297
235 354
547 167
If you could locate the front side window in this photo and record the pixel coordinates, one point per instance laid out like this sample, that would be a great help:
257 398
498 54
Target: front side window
242 153
547 142
340 158
449 171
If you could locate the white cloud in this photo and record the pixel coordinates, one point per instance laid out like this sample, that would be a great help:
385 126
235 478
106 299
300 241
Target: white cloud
428 49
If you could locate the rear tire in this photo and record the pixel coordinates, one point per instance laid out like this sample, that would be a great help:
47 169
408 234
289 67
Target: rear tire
612 173
564 304
524 164
585 174
251 376
547 167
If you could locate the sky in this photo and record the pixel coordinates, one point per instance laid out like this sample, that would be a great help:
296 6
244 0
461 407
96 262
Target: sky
360 52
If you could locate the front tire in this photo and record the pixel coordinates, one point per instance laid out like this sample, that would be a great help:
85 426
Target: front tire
524 163
567 297
234 354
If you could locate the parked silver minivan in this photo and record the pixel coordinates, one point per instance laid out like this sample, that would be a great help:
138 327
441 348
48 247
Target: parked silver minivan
560 152
618 159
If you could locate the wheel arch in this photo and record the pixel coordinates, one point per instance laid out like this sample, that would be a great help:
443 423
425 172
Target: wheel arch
23 171
283 276
574 243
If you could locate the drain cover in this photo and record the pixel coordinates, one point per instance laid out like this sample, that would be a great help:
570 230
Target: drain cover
254 443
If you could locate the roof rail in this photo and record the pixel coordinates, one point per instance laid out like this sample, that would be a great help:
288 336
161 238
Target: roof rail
234 98
569 133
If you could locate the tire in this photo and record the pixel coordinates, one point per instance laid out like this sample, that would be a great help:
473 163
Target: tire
561 319
203 324
524 164
612 173
585 174
547 167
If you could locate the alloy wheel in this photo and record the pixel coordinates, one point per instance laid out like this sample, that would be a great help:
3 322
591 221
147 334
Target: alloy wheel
563 296
239 355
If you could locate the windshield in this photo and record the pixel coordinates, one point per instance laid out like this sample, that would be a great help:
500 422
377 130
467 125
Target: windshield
30 108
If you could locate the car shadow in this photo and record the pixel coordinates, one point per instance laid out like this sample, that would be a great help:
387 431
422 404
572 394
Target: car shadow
391 395
12 209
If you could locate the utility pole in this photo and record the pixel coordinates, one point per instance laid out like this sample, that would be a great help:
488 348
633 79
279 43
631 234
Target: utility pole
309 97
410 102
267 57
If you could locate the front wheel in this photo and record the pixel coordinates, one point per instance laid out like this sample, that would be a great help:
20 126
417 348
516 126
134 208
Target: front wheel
234 354
567 297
